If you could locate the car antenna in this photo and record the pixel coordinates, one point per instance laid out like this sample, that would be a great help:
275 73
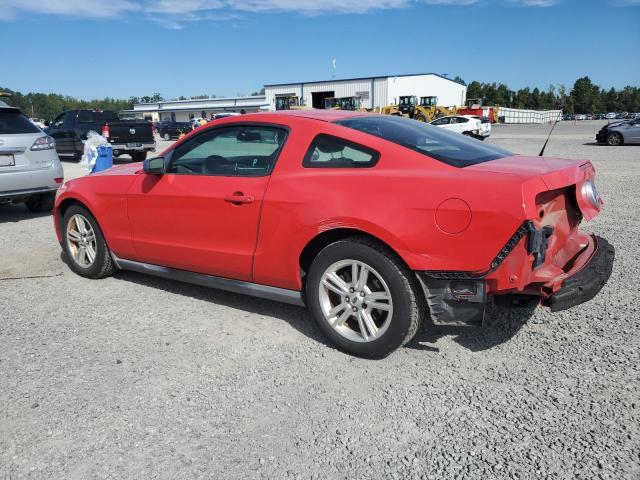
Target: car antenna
547 141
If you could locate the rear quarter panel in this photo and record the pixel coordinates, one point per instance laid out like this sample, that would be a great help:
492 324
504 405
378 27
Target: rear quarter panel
395 201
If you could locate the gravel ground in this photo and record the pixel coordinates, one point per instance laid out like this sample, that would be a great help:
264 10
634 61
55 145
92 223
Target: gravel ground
138 377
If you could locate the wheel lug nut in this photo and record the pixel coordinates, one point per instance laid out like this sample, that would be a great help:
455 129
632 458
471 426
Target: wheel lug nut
347 300
362 294
351 290
355 309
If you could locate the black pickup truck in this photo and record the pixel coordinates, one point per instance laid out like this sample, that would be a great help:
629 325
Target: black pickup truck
133 137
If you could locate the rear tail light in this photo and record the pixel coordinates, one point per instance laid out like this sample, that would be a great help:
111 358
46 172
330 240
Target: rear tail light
590 192
44 143
105 130
59 180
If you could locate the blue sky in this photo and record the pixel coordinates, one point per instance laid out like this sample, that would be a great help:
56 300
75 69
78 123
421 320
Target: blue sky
120 48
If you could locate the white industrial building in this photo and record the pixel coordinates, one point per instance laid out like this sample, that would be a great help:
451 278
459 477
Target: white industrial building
184 110
374 91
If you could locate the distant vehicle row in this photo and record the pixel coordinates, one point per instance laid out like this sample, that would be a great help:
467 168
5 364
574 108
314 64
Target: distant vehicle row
602 116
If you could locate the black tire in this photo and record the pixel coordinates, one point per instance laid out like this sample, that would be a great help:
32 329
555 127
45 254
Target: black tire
421 118
41 203
614 139
138 156
468 134
103 265
407 298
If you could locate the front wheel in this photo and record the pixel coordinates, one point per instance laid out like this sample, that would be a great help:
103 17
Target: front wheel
614 139
84 244
363 298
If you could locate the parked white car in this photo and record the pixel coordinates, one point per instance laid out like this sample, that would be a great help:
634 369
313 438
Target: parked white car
471 125
38 122
30 170
611 115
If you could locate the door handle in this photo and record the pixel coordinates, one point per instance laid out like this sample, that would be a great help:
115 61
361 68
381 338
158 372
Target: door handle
239 198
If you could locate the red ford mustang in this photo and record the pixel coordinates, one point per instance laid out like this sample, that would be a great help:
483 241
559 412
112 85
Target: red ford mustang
371 221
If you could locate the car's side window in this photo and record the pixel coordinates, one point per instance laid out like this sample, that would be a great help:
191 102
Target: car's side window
327 151
441 121
234 151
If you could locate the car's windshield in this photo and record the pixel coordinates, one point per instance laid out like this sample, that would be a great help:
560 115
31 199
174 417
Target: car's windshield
13 122
448 147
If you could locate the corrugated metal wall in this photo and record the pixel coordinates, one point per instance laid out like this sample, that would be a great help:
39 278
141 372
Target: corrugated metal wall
376 92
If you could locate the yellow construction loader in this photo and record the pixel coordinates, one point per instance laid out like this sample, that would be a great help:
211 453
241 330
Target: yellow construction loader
424 110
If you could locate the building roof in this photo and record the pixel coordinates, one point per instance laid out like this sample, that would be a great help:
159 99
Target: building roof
361 78
210 99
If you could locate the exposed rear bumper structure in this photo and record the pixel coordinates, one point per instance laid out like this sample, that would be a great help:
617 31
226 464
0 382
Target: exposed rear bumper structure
459 298
588 281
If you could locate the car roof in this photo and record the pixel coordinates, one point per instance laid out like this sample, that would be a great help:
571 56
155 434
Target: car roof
323 115
8 108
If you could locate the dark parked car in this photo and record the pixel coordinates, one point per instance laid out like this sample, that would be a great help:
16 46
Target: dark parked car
619 133
133 137
171 130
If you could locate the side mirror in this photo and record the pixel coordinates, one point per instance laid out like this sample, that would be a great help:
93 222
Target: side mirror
154 166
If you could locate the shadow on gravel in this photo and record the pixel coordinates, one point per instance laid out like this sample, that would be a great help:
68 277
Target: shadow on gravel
501 324
297 317
18 213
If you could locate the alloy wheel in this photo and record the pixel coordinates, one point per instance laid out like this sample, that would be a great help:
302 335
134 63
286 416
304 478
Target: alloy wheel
81 240
355 300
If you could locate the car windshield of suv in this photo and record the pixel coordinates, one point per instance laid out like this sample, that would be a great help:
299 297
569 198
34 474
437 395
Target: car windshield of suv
13 122
448 147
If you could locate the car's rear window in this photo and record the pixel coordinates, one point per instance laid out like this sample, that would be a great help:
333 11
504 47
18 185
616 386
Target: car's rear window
12 122
448 147
85 116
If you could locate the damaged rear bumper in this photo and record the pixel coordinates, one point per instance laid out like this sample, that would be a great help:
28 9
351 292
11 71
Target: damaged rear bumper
588 281
459 298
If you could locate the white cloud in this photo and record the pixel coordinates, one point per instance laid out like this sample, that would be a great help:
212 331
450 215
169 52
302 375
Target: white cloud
77 8
176 13
536 3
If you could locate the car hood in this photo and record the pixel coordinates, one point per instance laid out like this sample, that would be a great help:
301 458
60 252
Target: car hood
615 124
554 172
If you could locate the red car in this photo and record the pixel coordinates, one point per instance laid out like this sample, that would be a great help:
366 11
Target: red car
371 221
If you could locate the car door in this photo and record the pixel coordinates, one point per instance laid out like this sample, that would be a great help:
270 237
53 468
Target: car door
460 124
62 130
632 135
203 214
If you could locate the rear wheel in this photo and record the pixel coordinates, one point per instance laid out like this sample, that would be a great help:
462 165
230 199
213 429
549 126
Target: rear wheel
614 139
84 245
420 117
41 203
363 298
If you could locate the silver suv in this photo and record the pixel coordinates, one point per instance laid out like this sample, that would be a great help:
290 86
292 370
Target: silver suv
30 170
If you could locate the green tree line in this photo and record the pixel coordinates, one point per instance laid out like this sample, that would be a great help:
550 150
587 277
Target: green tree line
584 97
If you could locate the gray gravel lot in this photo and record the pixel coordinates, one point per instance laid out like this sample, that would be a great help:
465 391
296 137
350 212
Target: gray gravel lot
138 377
